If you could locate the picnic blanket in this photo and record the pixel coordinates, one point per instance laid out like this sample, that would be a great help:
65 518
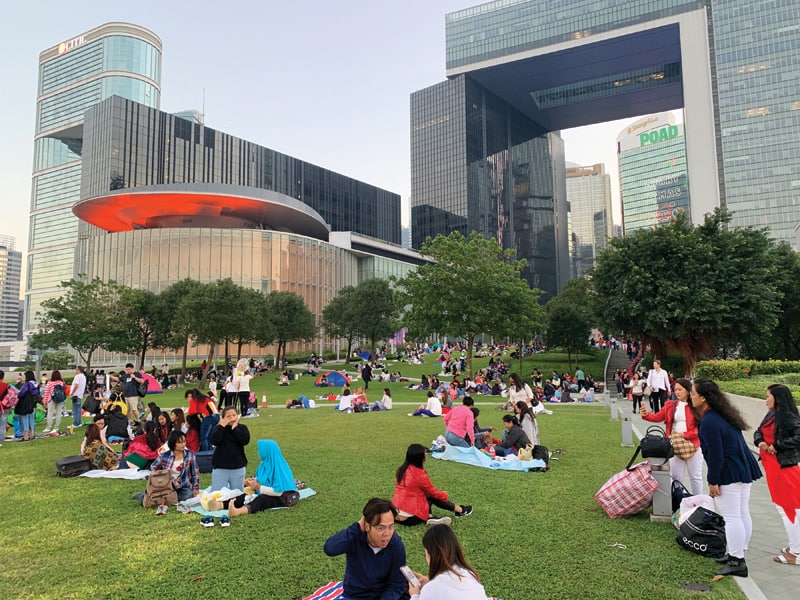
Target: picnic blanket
226 494
117 474
334 591
473 456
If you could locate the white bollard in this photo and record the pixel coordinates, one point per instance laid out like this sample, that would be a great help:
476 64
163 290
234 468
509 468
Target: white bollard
627 432
662 499
614 412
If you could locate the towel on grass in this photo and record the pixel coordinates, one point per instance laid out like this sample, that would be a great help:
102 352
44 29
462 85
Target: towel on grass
334 591
196 508
473 456
117 474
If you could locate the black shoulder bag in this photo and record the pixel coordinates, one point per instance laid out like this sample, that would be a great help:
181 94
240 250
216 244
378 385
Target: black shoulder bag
654 444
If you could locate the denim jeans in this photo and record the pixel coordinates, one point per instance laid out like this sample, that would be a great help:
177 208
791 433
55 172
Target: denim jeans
185 494
455 440
233 479
26 422
76 411
206 425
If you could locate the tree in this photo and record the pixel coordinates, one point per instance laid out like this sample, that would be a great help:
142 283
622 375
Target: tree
689 288
86 316
471 287
340 318
570 317
139 323
288 320
375 310
174 306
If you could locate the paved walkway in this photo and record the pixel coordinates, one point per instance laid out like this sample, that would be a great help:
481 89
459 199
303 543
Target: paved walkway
767 579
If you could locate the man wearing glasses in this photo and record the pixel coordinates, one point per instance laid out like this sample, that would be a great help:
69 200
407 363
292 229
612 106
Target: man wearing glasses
374 555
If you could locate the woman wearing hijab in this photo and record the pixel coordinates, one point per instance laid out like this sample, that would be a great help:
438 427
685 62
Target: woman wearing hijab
274 483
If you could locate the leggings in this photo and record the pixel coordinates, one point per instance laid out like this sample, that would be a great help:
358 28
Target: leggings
259 503
637 402
244 402
443 504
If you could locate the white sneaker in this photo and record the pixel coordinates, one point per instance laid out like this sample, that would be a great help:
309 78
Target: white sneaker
46 430
439 521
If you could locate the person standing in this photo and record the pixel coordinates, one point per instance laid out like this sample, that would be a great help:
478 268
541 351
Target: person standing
658 381
374 554
26 406
366 374
54 397
679 420
580 379
76 391
131 379
731 468
241 381
778 441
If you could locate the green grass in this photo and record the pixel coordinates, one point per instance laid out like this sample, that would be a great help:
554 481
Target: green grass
756 386
532 534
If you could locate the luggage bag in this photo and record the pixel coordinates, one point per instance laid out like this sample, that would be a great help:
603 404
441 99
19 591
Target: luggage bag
70 466
628 492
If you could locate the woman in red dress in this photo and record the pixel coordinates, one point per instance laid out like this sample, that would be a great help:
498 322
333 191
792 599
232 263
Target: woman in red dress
778 440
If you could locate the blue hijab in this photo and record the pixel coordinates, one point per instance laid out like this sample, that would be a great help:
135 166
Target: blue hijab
274 471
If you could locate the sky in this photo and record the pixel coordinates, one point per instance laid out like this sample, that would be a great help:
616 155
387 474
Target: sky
326 82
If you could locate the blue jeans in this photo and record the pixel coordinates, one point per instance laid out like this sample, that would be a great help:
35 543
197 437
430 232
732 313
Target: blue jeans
76 411
233 479
184 494
423 411
455 440
206 425
26 422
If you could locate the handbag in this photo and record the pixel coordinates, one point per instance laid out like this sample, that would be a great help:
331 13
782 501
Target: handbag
91 405
141 389
679 492
628 492
654 444
525 453
682 447
703 533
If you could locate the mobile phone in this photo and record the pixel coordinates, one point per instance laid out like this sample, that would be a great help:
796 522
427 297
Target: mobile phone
409 575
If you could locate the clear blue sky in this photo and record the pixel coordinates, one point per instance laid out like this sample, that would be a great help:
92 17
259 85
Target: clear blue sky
325 81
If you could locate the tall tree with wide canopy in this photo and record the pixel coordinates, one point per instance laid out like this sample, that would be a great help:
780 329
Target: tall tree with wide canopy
375 311
175 306
570 317
340 317
86 316
287 319
689 288
472 287
141 319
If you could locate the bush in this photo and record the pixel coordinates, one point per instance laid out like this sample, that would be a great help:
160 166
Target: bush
728 370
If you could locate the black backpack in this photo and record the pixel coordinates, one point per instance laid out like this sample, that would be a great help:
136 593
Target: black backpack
58 395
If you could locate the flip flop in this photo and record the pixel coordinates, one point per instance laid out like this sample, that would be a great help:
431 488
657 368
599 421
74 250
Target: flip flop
782 558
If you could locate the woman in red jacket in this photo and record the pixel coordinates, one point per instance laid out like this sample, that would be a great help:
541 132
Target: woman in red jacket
414 493
680 423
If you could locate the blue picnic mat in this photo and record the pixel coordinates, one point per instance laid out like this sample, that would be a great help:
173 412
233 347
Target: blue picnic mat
473 456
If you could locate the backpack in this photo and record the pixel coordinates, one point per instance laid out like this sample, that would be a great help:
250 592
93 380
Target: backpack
159 490
9 400
58 394
141 388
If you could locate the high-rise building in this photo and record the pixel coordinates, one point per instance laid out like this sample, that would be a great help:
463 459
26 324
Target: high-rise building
589 197
732 65
653 177
10 274
113 59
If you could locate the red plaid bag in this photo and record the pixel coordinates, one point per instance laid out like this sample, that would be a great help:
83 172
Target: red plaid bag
628 492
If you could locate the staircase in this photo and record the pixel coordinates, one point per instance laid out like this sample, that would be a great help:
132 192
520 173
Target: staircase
618 359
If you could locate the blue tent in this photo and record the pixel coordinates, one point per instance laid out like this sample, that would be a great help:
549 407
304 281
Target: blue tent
365 354
334 379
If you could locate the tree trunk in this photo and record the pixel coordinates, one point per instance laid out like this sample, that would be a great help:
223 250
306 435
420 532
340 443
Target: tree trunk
239 345
185 354
470 340
211 349
519 350
349 350
144 352
227 355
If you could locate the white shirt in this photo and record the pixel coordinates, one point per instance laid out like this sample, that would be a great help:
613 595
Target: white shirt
434 406
679 423
387 402
658 380
242 382
447 585
78 388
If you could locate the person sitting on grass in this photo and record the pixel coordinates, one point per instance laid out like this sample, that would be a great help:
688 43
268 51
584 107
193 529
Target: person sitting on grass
345 402
100 455
360 402
181 463
374 554
414 494
433 408
274 483
460 424
143 449
193 424
514 437
449 573
385 403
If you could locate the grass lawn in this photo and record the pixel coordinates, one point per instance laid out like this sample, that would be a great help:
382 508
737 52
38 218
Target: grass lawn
532 535
756 386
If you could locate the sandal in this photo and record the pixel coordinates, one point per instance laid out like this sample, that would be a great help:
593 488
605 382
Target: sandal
787 558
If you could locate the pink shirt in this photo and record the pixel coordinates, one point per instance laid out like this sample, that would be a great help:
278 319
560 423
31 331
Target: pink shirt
461 422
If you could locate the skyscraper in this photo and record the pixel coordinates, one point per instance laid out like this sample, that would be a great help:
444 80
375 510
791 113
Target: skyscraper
733 66
589 197
10 273
113 59
653 173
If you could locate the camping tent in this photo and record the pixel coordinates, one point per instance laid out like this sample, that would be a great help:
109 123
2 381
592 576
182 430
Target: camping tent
365 354
334 378
153 387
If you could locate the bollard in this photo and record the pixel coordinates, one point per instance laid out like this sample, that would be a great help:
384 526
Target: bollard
662 499
614 414
627 432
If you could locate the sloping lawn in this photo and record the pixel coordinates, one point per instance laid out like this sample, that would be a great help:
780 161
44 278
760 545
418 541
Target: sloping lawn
532 535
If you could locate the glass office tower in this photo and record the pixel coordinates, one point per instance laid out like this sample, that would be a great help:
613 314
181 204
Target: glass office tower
733 65
589 197
113 59
10 273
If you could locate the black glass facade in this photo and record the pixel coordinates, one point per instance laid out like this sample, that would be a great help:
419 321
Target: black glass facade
129 145
478 164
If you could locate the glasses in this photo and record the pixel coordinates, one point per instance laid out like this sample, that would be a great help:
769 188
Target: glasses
383 528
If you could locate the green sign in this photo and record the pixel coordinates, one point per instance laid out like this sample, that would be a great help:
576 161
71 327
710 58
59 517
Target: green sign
658 135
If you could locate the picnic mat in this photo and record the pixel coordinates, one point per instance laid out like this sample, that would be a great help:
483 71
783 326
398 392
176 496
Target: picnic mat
117 474
473 456
333 591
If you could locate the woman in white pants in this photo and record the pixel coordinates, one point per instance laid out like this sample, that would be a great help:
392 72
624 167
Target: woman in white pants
731 468
680 423
778 440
